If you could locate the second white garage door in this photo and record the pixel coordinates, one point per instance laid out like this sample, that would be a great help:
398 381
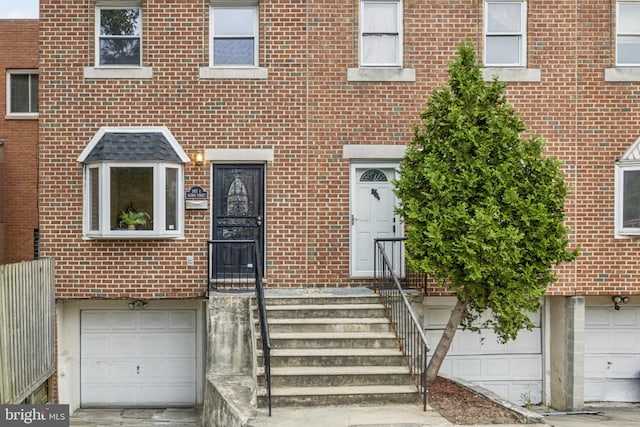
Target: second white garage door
612 354
512 370
138 358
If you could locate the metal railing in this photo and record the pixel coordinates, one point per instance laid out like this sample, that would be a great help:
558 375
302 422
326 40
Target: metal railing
237 265
388 268
232 265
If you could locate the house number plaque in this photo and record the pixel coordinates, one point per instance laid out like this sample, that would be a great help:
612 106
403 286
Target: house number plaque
196 198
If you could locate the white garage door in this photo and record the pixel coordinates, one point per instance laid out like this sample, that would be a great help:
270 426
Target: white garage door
612 354
512 370
138 358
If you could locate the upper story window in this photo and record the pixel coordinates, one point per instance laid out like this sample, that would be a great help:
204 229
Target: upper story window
505 24
119 36
22 93
628 33
381 33
133 179
234 30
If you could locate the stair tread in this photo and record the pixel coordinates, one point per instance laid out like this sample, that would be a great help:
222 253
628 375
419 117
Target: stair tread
334 352
336 370
328 320
332 335
342 390
296 307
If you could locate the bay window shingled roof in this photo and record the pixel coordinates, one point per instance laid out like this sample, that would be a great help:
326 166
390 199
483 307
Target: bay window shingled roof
133 146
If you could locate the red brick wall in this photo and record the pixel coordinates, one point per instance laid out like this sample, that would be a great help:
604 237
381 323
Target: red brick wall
19 180
307 111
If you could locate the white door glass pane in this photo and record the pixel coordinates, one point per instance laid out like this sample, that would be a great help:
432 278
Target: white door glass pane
171 199
504 18
120 22
233 52
504 50
631 199
380 18
131 191
233 21
628 50
629 18
94 197
380 50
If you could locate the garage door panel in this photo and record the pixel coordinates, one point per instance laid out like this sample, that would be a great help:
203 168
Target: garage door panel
123 321
153 320
138 359
154 343
95 346
180 344
506 368
468 368
95 322
181 370
95 371
612 354
181 320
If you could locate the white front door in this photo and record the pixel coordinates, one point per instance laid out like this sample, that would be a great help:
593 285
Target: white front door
612 354
372 213
137 358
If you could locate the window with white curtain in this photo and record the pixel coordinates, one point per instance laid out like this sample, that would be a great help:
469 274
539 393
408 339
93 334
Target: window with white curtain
505 24
381 33
628 33
234 30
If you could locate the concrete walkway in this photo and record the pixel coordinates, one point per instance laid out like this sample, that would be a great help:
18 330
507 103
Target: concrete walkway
337 416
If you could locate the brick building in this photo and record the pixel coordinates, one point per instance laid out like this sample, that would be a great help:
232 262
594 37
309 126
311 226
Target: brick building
300 110
18 139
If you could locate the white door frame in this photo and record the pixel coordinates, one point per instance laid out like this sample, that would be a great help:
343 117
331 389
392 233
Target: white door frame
353 181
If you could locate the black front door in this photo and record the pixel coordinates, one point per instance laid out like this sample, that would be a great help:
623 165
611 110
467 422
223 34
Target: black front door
238 214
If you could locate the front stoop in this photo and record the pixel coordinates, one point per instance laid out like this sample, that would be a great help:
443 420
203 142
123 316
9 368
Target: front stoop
333 350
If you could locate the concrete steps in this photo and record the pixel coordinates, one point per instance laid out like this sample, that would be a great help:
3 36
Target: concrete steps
333 350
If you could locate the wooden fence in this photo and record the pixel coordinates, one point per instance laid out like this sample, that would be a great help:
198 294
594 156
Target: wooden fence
27 340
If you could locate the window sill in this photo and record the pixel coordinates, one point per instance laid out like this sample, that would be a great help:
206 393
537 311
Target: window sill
132 235
379 74
21 116
512 74
118 73
622 74
257 73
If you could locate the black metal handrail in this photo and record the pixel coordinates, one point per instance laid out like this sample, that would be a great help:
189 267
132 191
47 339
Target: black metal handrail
265 337
246 269
413 341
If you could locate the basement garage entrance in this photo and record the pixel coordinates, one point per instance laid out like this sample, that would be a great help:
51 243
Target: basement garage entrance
612 354
512 370
132 358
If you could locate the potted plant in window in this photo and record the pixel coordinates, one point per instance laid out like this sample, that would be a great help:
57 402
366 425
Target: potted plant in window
130 218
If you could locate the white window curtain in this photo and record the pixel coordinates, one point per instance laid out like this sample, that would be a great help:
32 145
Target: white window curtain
380 33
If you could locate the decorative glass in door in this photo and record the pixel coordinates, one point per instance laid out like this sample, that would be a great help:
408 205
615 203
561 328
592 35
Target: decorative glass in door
238 214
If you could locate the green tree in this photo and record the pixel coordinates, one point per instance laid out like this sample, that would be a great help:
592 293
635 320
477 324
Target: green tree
482 204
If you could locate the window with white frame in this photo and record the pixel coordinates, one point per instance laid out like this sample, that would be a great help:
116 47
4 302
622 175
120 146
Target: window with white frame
22 93
505 24
628 33
628 198
132 185
234 34
381 33
118 36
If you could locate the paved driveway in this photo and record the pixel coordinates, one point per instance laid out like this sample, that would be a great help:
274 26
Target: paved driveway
610 415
